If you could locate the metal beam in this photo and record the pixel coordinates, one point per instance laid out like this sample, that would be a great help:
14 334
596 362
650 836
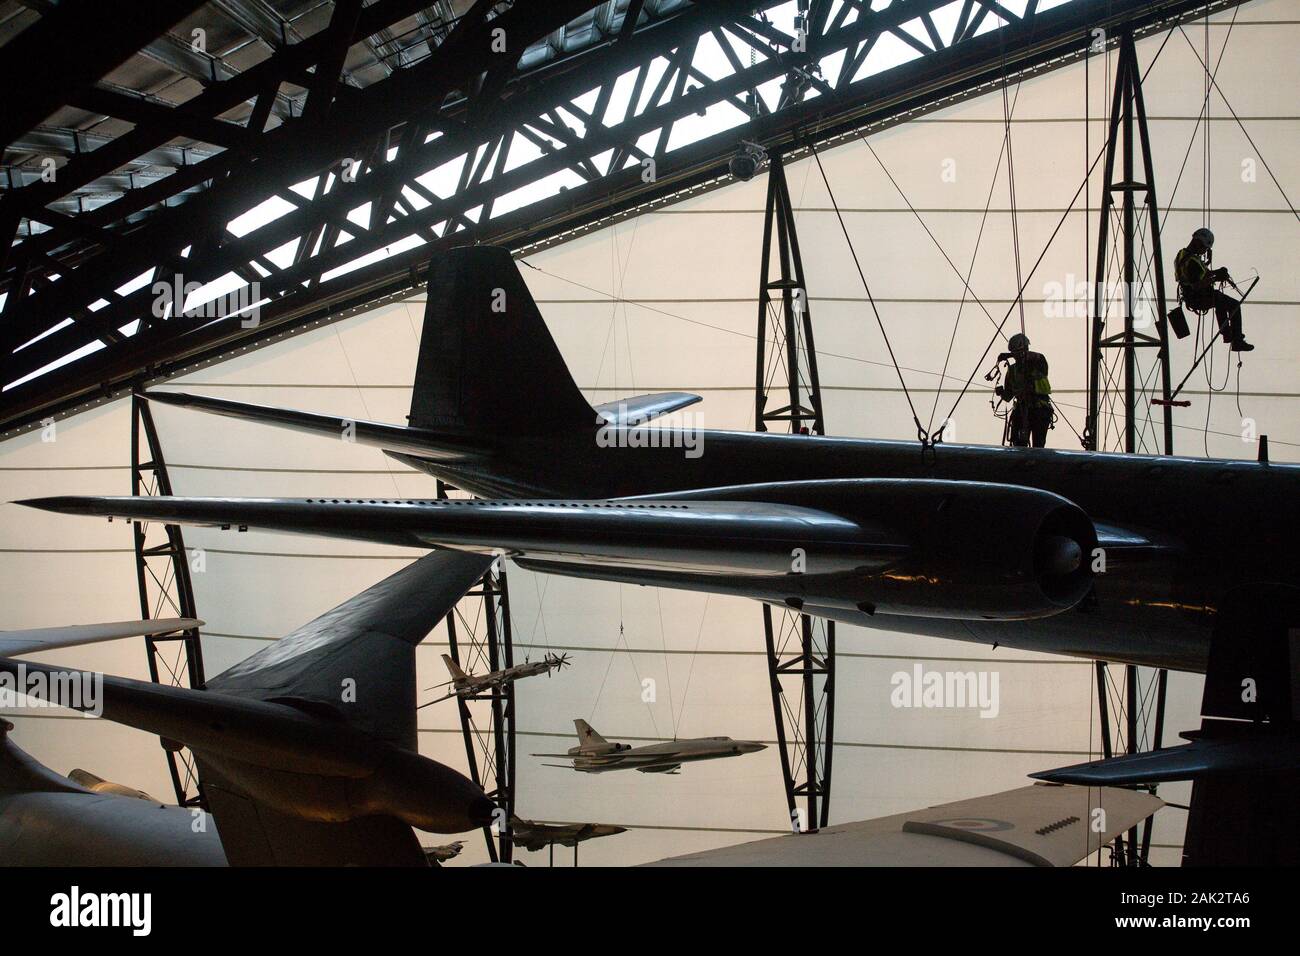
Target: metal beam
40 70
299 295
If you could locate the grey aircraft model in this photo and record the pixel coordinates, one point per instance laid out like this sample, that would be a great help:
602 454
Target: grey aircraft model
595 754
1128 558
306 751
533 836
468 685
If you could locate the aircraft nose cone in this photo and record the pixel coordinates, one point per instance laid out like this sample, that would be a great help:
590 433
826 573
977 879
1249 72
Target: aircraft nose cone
1058 555
482 811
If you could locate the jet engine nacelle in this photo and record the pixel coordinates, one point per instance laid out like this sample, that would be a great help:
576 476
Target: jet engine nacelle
966 549
986 551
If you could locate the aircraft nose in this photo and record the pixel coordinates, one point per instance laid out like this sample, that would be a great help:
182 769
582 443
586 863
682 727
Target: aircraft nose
750 747
483 811
1059 555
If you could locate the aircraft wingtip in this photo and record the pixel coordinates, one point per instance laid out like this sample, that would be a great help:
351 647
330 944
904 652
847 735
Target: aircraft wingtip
56 503
169 398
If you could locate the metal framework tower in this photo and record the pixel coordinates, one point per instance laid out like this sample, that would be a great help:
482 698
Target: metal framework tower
478 637
163 577
1128 368
800 649
1138 700
1131 319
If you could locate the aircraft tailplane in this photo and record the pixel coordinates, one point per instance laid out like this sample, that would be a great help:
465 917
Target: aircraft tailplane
487 363
458 676
587 735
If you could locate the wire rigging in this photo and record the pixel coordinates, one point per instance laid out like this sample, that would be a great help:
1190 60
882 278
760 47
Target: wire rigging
1011 184
825 354
921 433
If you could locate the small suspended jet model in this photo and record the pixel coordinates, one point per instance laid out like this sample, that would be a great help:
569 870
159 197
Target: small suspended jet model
595 754
470 685
296 773
533 836
438 855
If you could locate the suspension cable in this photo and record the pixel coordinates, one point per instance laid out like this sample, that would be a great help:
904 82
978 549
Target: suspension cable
1011 184
1087 177
922 435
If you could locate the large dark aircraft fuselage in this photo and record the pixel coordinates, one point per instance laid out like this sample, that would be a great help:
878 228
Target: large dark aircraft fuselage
1218 525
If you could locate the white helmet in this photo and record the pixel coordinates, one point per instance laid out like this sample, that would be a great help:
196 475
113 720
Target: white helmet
1205 236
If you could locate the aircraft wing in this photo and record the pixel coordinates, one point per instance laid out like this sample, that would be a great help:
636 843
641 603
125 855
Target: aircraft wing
422 442
1204 756
360 641
16 643
733 537
642 408
910 547
1030 826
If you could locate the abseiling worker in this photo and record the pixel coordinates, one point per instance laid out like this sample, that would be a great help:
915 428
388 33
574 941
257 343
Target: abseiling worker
1026 386
1198 287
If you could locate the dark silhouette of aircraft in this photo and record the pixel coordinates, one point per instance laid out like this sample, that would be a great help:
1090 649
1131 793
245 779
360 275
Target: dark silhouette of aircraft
306 751
973 543
1117 557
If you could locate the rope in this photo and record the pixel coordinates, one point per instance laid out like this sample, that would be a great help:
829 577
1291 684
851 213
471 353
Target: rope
1087 177
691 673
1011 182
922 435
1215 84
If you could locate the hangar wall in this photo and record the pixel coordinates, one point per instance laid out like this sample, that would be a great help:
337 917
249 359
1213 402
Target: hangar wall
685 279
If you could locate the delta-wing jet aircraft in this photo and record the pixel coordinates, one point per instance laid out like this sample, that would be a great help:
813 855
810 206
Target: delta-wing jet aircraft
306 751
595 754
469 685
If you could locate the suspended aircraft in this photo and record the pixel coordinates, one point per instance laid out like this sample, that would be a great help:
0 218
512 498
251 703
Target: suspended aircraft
468 685
595 754
533 836
1119 557
1101 555
306 751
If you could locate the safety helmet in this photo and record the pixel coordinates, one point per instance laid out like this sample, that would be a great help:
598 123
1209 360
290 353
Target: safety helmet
1019 342
1205 236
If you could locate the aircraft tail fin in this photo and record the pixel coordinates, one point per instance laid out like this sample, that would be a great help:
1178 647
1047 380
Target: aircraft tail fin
487 362
587 735
367 644
457 675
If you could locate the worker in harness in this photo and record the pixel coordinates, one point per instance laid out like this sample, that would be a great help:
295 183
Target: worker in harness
1027 388
1198 288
